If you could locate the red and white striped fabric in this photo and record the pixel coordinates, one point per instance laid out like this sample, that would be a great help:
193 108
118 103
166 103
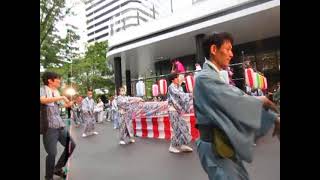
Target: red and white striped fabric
155 90
163 86
160 128
190 83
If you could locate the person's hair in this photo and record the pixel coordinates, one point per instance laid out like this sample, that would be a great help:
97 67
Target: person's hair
173 60
49 75
172 76
104 99
215 39
89 90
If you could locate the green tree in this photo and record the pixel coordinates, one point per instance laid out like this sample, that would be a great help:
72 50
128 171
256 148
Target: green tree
93 71
90 71
52 45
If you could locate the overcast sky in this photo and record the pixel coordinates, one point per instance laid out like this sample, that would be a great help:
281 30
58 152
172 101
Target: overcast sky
79 20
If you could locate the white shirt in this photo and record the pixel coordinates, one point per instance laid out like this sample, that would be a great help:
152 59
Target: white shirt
140 87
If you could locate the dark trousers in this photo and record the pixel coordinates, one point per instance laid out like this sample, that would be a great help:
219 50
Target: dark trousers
50 140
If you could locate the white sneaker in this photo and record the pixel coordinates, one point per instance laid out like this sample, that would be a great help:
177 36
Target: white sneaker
132 140
185 148
84 135
174 150
122 142
95 133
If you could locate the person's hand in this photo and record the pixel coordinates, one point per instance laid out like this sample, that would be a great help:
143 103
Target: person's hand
268 103
65 99
71 103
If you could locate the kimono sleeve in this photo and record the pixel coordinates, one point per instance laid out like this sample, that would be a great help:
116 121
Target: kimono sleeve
182 101
215 96
84 106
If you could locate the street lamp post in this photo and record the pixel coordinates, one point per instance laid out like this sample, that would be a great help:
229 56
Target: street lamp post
70 72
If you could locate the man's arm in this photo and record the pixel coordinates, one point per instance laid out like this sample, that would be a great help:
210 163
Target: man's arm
68 104
268 104
47 100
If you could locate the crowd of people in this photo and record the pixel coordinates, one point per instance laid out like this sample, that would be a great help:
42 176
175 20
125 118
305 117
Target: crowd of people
86 112
229 120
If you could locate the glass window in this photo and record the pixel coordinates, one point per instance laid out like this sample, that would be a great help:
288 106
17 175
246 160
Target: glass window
278 57
250 59
267 61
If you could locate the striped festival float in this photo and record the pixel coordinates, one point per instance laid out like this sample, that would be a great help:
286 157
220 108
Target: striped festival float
159 127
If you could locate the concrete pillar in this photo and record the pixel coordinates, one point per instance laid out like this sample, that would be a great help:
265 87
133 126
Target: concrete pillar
117 73
199 49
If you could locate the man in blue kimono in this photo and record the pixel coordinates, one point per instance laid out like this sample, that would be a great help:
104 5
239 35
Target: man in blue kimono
227 118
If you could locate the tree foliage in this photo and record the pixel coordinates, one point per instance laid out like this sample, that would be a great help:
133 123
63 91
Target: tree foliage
57 53
52 45
90 71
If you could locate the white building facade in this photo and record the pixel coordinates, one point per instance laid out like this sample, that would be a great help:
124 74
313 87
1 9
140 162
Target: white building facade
255 25
105 18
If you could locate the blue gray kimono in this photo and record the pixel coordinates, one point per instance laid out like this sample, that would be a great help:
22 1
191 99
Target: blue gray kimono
179 102
238 115
87 108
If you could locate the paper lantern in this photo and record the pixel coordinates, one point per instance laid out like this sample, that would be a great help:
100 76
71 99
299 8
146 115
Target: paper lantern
265 83
155 90
261 82
140 88
258 80
249 74
255 81
190 83
163 86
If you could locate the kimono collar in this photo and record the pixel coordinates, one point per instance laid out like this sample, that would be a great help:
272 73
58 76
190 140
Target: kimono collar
89 98
212 65
216 69
50 92
176 85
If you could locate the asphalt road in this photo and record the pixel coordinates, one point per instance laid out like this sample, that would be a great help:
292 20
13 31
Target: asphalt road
100 157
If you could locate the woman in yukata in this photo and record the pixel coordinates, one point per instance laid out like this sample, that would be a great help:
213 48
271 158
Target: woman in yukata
126 106
178 102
